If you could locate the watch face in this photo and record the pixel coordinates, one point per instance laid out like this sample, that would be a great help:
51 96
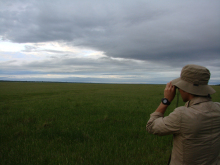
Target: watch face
165 101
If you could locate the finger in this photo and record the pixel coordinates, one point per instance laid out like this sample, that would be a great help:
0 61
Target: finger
168 85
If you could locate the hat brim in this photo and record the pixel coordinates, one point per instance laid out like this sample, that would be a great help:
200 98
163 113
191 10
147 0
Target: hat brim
200 90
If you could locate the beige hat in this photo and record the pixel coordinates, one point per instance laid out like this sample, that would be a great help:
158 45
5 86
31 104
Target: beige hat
194 80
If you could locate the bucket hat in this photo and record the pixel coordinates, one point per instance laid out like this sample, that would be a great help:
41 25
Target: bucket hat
194 80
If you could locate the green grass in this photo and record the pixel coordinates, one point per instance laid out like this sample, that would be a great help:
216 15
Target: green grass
68 123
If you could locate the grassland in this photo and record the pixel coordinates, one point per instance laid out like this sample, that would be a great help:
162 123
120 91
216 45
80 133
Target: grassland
68 123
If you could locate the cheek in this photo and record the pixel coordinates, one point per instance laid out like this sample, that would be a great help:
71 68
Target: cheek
183 96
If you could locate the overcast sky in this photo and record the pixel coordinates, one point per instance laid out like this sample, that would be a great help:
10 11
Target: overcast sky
115 41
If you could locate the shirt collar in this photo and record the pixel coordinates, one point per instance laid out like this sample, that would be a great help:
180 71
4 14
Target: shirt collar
197 100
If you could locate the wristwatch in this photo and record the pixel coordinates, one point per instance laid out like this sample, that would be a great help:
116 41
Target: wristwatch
165 101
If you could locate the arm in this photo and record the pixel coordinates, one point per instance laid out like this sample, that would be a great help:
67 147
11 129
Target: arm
159 125
169 93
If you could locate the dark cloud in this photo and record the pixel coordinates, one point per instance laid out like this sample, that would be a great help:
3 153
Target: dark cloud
169 33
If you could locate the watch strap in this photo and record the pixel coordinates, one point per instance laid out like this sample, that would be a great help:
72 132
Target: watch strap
165 101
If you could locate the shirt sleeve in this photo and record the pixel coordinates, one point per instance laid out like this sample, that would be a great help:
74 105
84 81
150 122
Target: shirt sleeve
160 125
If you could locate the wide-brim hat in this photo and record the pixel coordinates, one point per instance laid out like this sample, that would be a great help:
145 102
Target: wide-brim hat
194 80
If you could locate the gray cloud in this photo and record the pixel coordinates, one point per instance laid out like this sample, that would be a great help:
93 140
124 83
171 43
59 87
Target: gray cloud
167 33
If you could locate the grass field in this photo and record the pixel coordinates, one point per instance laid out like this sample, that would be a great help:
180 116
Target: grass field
70 123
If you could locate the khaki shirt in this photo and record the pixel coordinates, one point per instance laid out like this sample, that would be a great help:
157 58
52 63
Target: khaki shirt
196 132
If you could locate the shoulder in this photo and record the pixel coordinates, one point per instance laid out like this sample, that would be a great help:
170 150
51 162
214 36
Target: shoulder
217 106
180 109
176 115
217 103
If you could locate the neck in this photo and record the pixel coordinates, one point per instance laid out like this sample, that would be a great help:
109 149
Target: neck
190 97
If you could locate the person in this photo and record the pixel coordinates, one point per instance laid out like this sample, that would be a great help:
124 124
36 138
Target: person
195 126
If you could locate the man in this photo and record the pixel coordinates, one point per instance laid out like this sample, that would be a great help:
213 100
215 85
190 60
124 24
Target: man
195 126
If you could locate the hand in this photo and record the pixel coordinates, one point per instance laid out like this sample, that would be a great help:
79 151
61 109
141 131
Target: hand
170 91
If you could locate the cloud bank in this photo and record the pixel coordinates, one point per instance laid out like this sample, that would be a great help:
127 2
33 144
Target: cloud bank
108 41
